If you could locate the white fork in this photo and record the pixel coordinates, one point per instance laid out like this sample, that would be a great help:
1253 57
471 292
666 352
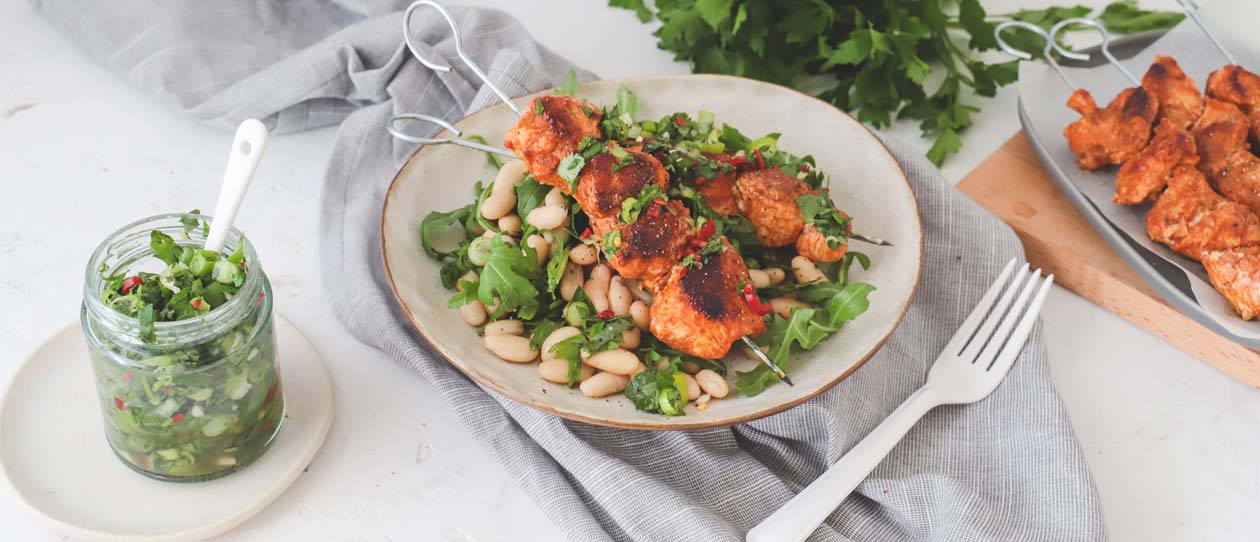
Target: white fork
969 369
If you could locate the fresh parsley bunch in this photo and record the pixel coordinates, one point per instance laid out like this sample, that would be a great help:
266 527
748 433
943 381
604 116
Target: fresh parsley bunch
869 57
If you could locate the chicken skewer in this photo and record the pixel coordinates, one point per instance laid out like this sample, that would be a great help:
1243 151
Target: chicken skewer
570 130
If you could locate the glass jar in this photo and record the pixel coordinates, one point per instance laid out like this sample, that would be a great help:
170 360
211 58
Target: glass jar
202 398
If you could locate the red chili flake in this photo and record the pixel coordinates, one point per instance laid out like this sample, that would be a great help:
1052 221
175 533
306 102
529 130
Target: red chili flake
585 233
738 160
197 303
177 417
754 302
131 282
118 403
804 168
708 229
679 121
761 163
126 377
654 212
604 315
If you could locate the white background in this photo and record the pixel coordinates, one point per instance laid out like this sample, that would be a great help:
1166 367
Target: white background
1172 443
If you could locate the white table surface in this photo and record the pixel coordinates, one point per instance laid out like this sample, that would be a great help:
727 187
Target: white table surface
1172 443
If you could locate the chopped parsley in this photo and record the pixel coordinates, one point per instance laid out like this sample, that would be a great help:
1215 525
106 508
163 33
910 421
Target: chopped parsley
820 211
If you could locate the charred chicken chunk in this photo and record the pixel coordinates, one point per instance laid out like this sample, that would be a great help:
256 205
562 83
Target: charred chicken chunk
767 197
1192 219
719 192
650 246
1143 177
551 129
607 181
1179 99
701 311
1235 273
1114 135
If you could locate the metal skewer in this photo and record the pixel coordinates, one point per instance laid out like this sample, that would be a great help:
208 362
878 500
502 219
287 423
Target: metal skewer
1192 11
1105 46
1045 51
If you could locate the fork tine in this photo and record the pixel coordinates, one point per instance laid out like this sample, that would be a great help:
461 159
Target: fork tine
981 337
1016 343
968 327
1003 332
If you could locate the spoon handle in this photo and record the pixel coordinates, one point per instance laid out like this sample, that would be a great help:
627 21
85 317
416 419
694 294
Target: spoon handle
247 151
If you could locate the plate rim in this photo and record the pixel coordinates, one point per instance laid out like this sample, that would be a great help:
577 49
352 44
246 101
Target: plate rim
476 376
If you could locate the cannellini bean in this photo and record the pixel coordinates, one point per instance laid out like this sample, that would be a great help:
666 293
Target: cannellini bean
511 348
492 307
505 327
555 197
474 313
690 367
583 255
693 387
502 198
776 275
555 337
616 361
636 289
712 383
596 287
510 224
804 271
547 217
603 384
556 371
641 315
571 280
540 247
619 298
631 338
760 279
783 306
496 206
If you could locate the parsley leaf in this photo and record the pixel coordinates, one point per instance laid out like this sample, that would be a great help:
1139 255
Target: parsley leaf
570 86
569 168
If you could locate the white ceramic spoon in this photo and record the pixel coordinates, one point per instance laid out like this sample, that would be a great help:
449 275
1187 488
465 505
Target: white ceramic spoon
247 151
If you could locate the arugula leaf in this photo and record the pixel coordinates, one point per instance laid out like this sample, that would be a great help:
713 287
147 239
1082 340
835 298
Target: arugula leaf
570 350
659 390
556 263
491 158
530 195
540 332
508 276
570 86
436 222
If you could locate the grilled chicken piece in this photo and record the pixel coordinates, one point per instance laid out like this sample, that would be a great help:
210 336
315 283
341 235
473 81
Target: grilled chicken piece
812 244
1193 219
1235 273
701 311
603 186
1103 137
1143 177
719 192
1235 85
1221 138
1179 99
543 139
767 197
653 244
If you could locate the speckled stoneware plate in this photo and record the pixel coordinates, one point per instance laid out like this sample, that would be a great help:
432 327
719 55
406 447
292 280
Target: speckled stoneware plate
865 181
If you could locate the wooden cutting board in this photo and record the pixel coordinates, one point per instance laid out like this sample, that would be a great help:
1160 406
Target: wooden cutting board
1012 184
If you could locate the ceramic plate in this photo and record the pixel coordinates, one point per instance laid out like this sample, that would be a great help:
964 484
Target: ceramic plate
865 181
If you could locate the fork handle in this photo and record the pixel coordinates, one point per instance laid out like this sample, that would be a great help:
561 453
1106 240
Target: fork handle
797 519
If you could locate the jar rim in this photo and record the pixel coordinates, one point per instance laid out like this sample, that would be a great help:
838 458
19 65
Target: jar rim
232 310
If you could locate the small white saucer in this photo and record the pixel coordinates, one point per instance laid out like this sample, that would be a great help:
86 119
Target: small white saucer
54 454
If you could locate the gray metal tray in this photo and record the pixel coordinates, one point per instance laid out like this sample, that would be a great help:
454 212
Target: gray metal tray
1182 282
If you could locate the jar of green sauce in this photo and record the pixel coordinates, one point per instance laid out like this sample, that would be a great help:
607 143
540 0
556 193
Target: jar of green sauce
183 349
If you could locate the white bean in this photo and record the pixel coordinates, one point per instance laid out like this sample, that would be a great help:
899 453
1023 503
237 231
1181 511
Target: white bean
712 383
805 271
547 217
470 276
557 371
540 247
641 315
492 307
474 313
760 279
510 224
783 306
511 348
619 298
570 281
631 338
776 275
502 197
583 255
596 287
603 384
496 206
615 361
505 327
690 367
693 387
555 337
555 197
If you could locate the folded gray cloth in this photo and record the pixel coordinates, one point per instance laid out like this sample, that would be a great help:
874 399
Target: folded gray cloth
1007 468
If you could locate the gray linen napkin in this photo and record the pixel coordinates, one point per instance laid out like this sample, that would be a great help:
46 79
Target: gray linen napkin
1007 468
